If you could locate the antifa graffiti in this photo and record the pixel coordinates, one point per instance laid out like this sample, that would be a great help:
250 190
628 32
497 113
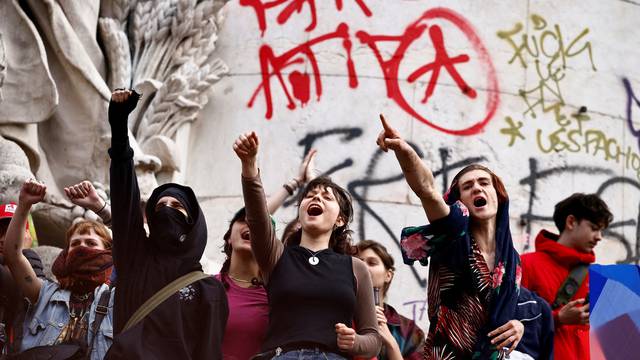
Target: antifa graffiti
430 29
273 65
442 61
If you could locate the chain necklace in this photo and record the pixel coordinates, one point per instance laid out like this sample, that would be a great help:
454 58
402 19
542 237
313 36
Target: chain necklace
313 259
254 281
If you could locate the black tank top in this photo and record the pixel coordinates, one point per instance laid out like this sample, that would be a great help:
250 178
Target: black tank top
306 301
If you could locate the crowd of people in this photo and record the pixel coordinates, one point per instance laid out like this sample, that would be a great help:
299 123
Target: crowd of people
130 286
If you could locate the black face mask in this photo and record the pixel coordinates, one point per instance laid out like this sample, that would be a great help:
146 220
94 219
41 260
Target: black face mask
168 229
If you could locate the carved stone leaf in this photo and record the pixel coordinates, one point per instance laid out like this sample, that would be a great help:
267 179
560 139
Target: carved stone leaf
116 46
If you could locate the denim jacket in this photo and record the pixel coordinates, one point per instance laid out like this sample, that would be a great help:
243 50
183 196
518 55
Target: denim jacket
47 318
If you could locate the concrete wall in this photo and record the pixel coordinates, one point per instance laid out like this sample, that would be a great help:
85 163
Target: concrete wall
508 80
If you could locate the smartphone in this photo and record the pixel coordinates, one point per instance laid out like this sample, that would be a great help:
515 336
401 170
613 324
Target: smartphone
376 296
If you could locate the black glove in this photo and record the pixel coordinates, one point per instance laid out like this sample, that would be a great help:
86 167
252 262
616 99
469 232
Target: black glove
120 110
118 113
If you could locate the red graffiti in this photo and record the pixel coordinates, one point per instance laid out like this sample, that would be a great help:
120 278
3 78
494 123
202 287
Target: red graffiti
391 67
261 7
272 65
299 83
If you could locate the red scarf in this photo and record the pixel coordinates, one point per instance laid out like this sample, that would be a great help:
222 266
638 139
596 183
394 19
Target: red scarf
82 269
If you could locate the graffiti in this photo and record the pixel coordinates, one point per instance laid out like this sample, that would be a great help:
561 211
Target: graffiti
367 212
260 7
568 131
631 100
546 46
537 182
360 188
537 176
537 45
513 130
425 29
348 134
391 68
272 65
550 65
418 308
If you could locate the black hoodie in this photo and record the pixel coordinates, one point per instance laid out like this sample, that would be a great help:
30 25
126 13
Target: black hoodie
191 323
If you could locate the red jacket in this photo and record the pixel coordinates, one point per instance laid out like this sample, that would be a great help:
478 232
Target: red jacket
543 272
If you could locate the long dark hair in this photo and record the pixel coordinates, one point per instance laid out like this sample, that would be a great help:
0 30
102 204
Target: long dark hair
226 248
340 240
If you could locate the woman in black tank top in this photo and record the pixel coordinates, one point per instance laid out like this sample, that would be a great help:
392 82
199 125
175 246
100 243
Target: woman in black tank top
320 297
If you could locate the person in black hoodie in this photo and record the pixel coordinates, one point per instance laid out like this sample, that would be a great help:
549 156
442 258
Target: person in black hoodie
190 324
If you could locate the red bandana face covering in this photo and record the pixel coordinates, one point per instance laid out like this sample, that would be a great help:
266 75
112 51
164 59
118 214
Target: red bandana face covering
82 269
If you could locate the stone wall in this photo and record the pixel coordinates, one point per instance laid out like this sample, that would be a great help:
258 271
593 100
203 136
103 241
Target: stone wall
546 93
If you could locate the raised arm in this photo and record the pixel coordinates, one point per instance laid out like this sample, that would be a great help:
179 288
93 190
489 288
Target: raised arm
416 173
31 193
264 244
85 195
305 174
127 221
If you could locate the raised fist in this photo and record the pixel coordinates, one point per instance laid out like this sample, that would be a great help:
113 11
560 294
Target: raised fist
85 195
123 101
32 192
246 147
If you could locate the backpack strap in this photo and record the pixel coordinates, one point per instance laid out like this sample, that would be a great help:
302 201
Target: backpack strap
102 308
571 284
162 295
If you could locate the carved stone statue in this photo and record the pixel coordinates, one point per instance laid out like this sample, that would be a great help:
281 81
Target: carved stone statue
59 61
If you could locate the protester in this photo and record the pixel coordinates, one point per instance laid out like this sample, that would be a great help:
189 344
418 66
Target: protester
474 275
246 295
558 269
73 315
401 337
190 323
12 308
316 289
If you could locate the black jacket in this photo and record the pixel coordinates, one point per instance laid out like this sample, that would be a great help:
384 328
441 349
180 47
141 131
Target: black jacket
191 323
535 314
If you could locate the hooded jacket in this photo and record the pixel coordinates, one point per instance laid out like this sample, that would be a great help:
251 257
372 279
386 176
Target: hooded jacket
188 325
543 272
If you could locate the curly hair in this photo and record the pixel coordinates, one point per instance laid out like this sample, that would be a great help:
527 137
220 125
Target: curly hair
340 240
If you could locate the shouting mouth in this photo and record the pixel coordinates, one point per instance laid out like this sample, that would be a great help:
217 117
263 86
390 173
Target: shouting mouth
314 210
246 235
479 202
